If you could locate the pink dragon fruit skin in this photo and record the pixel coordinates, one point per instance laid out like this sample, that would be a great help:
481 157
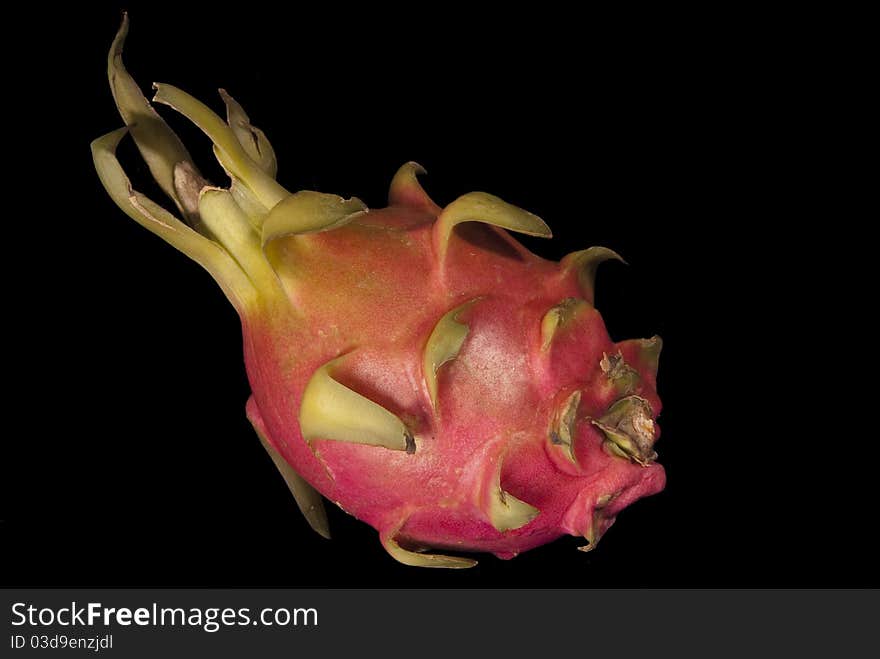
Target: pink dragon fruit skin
414 365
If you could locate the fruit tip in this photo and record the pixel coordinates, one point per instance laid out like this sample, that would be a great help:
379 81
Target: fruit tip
119 38
417 168
160 89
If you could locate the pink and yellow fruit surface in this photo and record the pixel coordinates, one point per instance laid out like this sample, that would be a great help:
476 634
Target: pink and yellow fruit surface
415 365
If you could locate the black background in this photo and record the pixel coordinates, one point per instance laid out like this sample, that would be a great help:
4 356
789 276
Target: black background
676 140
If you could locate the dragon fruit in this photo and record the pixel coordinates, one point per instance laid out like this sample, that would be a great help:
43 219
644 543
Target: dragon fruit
415 365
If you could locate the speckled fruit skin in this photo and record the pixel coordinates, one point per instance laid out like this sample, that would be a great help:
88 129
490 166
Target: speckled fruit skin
415 365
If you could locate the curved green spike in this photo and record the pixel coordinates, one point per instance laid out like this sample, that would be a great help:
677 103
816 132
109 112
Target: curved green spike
594 532
307 498
507 513
557 317
504 511
443 345
330 410
251 138
228 223
160 147
150 215
483 207
420 559
406 190
562 426
310 212
230 152
585 263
